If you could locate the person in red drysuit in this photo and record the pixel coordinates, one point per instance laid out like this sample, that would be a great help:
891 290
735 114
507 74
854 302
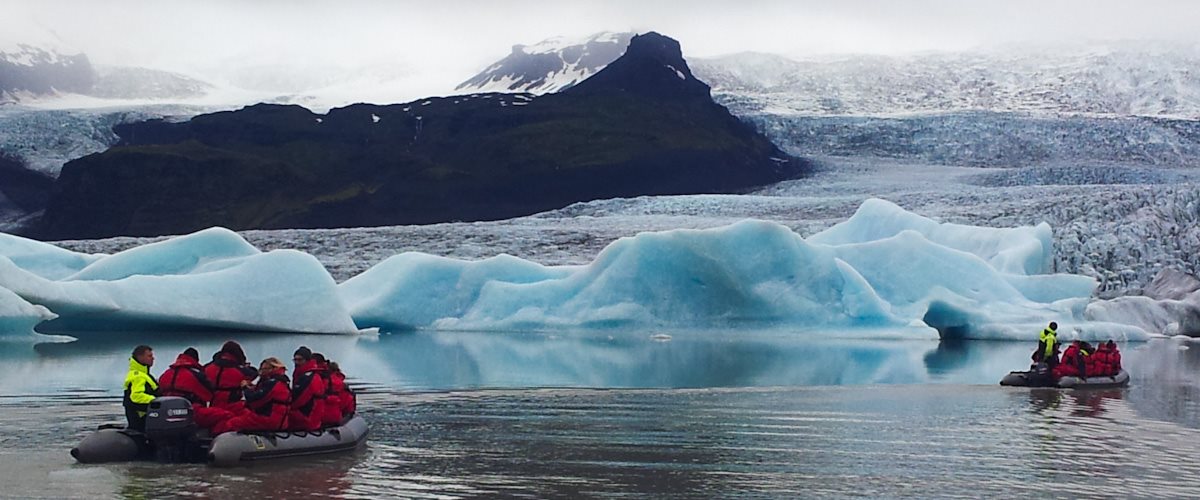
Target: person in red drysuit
1072 364
308 393
332 414
1114 357
266 404
229 373
346 396
185 378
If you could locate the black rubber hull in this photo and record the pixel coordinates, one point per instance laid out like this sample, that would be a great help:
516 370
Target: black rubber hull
111 444
1031 379
233 448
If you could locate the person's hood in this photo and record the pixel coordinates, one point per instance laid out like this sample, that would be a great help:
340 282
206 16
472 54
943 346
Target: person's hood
185 360
135 366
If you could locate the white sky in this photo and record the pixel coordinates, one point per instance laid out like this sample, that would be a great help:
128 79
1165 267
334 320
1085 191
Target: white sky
452 39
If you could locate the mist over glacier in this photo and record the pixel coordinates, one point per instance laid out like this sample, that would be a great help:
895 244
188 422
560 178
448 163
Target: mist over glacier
883 271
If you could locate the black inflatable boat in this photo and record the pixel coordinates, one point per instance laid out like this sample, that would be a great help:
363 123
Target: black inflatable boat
171 436
1036 378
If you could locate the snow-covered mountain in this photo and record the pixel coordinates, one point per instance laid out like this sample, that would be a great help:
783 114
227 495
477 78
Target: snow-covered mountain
32 74
549 66
1139 78
123 82
31 71
1119 78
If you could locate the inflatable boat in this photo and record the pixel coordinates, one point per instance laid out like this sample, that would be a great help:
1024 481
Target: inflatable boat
1035 378
171 436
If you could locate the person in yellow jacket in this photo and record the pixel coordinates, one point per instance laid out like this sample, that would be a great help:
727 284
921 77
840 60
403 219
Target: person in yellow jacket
140 387
1047 349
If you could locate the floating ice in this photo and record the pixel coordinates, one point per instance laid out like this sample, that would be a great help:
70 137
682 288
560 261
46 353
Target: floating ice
18 316
412 290
884 267
207 280
181 255
43 259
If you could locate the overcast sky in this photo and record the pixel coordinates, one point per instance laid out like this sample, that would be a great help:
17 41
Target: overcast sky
450 37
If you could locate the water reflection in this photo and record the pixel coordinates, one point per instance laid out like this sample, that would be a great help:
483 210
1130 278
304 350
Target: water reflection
460 360
707 415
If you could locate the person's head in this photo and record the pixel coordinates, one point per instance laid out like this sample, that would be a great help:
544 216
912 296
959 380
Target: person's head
234 349
144 354
270 366
334 368
1053 325
1110 344
302 355
191 352
319 358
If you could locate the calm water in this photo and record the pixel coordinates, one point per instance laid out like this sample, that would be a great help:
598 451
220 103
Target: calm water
715 414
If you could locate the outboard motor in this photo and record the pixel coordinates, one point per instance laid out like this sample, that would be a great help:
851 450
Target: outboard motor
171 429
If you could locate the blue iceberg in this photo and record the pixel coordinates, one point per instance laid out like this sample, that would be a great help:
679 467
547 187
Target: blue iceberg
18 316
208 280
43 259
882 272
884 268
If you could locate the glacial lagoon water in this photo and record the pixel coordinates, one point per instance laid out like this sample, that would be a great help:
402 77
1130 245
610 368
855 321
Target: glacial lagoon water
644 414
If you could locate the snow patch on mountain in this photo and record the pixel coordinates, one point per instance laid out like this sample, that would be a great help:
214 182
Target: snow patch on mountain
549 66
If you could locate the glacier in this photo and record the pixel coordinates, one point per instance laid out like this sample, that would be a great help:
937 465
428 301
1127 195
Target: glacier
207 280
884 271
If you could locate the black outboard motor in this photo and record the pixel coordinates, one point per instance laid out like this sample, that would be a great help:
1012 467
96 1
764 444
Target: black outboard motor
171 429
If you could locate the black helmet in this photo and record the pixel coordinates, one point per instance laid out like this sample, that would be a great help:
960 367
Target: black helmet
1053 325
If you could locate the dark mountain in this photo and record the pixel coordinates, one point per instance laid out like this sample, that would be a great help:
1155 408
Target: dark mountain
29 190
642 126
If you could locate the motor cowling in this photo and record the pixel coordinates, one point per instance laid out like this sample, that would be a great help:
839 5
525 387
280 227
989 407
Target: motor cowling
170 419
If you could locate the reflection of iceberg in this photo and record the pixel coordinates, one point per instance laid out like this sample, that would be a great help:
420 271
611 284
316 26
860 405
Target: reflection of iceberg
430 360
208 280
882 268
100 362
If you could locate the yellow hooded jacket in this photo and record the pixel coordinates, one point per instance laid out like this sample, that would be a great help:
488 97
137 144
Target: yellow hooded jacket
140 387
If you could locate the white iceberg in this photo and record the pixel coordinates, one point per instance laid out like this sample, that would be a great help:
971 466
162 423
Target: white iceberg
207 280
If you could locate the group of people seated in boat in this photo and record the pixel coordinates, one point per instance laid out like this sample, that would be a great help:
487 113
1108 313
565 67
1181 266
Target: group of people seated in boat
228 394
1079 360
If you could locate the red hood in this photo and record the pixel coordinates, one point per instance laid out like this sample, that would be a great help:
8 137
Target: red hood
185 361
